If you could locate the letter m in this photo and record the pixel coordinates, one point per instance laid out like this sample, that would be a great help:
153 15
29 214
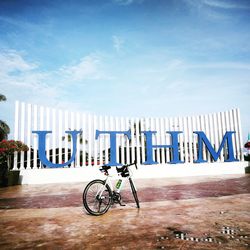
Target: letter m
215 155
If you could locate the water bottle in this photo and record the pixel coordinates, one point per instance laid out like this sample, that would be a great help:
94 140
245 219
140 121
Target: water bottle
118 184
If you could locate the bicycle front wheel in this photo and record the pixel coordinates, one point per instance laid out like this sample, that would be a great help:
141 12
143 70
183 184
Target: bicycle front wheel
97 197
134 192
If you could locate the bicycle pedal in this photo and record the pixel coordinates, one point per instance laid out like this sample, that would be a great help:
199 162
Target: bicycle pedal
122 205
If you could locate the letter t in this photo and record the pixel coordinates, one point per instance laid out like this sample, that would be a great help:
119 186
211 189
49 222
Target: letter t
113 161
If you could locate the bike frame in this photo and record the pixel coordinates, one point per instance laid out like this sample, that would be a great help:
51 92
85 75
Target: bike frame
109 182
104 194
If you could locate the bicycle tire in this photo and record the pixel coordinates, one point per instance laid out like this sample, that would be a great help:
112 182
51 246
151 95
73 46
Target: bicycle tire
134 192
94 204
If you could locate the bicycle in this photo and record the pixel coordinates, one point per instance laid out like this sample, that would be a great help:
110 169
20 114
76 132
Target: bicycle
99 195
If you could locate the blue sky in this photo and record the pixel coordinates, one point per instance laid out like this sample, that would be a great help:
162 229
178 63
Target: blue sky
132 58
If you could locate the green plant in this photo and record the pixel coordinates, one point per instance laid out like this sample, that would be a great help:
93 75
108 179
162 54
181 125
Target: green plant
4 128
7 149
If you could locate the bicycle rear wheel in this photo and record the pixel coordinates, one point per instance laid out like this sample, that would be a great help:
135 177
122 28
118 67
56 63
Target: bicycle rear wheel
134 192
97 197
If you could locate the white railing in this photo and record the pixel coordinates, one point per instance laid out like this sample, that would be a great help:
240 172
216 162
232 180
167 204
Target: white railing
96 152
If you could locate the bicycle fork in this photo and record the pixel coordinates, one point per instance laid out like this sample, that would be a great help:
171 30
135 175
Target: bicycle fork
99 194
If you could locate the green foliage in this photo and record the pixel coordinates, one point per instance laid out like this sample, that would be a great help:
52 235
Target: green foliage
80 137
2 98
7 148
4 128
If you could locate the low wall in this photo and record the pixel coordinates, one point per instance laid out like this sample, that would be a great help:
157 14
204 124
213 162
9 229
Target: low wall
85 174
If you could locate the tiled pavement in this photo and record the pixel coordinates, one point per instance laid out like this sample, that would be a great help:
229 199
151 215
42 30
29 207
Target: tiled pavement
184 213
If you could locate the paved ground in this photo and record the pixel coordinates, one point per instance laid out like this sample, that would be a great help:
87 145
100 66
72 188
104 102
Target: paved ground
185 213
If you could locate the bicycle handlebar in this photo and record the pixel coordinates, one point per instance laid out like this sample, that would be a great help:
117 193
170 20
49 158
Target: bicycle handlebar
134 163
106 168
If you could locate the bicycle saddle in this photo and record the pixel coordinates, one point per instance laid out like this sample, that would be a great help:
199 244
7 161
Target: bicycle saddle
105 168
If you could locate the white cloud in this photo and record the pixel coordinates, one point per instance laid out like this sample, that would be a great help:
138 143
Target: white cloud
174 64
117 43
123 2
87 68
16 72
22 79
215 9
42 28
220 4
127 2
177 64
225 4
223 65
11 61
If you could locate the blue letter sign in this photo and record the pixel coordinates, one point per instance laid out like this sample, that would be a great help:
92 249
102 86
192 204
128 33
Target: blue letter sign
41 148
113 134
173 146
215 155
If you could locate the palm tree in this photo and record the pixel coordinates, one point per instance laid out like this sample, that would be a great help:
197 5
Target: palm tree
80 134
4 128
2 98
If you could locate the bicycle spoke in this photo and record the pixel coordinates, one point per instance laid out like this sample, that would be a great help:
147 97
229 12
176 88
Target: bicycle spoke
97 197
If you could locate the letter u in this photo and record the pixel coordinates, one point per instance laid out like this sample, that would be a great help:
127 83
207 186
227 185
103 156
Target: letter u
41 148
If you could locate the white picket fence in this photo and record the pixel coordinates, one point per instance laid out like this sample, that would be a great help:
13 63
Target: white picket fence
92 152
